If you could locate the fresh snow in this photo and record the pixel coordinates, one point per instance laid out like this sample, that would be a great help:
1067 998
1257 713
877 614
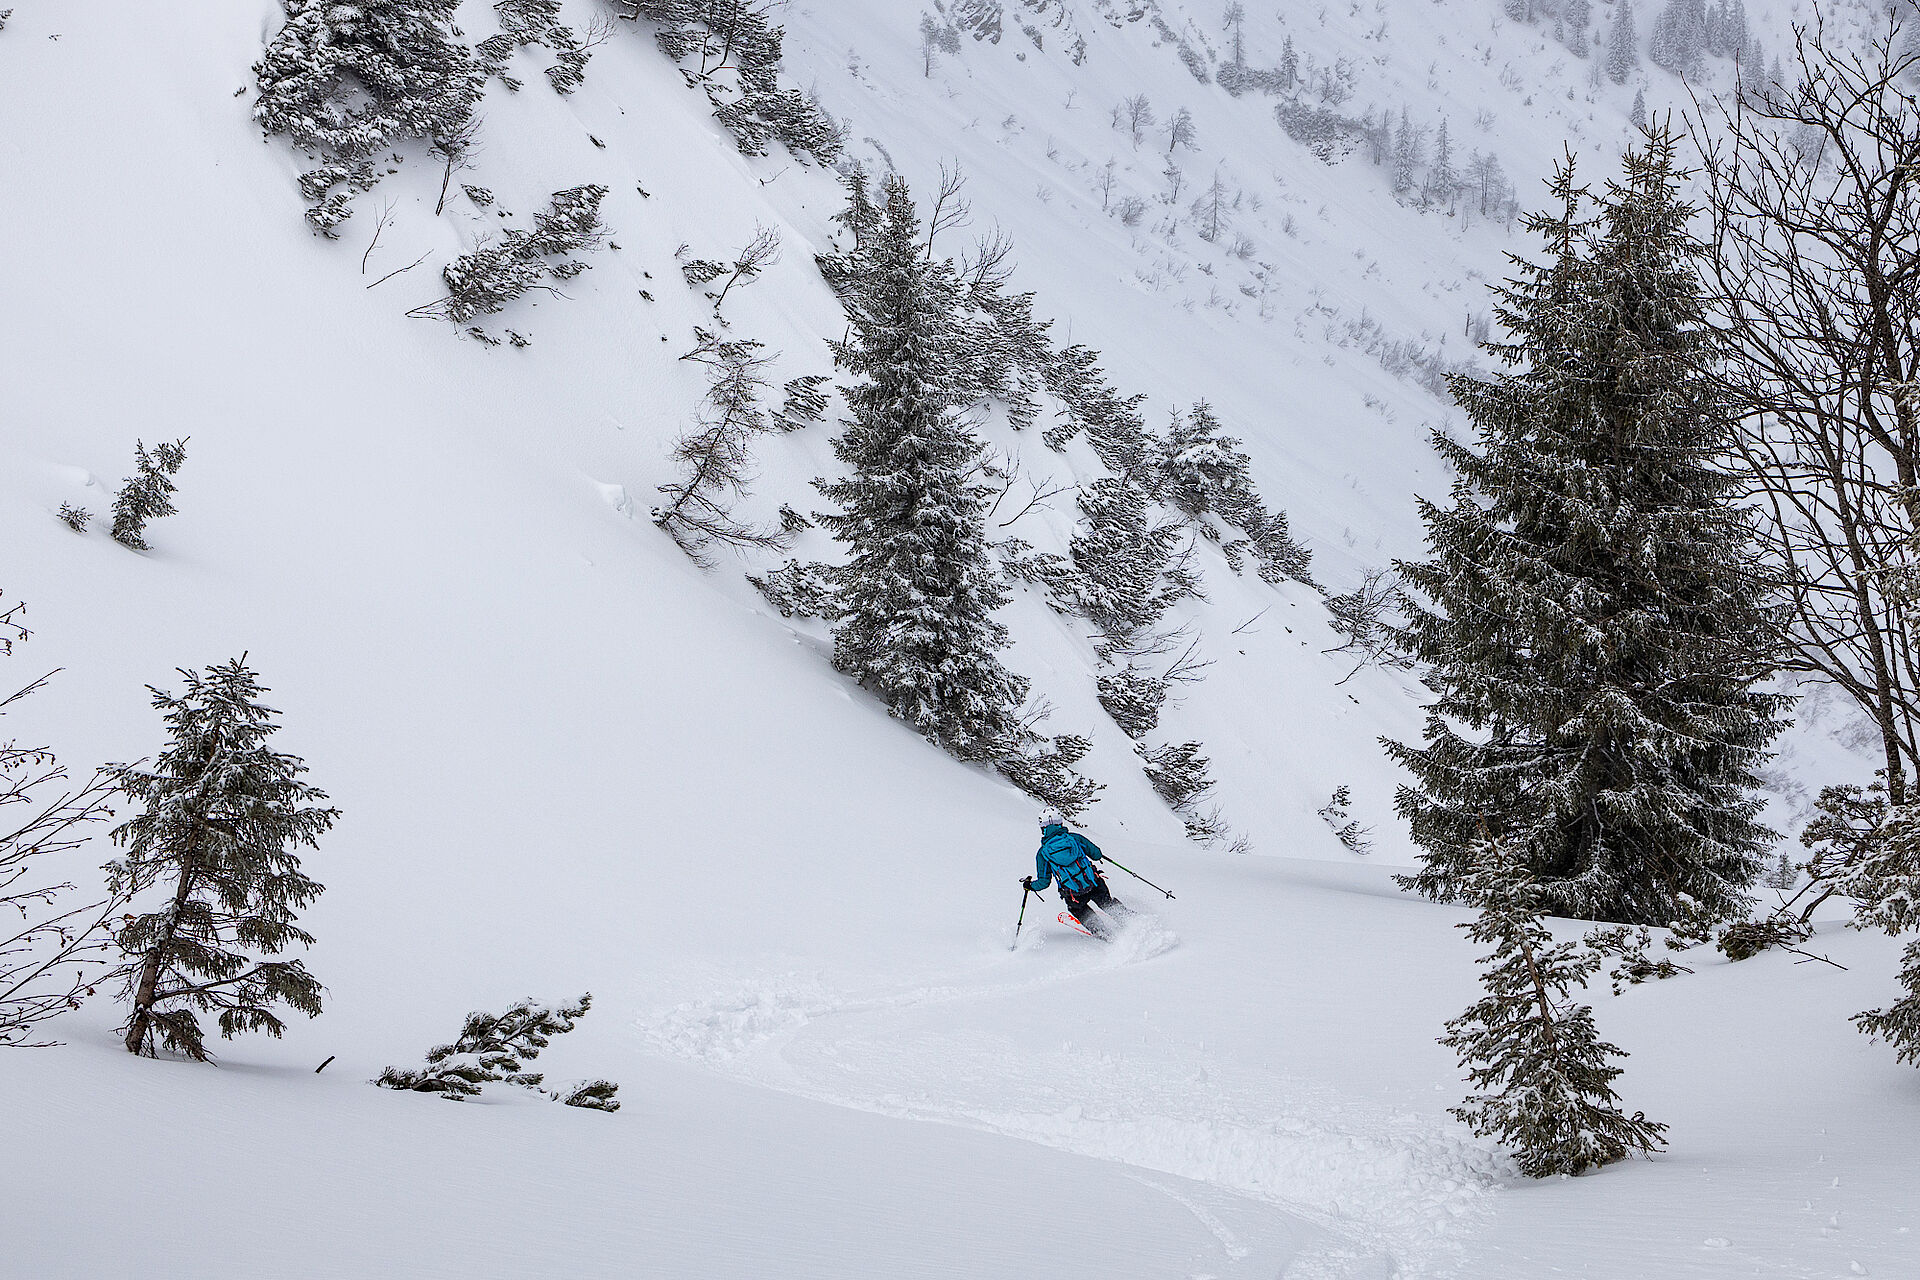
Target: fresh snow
569 760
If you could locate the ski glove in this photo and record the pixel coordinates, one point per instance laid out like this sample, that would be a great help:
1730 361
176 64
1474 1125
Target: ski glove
1026 882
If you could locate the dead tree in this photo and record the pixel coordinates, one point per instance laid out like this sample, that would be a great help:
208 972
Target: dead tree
715 460
1814 191
756 256
51 950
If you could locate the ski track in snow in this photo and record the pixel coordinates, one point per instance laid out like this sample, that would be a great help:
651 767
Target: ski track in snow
1396 1193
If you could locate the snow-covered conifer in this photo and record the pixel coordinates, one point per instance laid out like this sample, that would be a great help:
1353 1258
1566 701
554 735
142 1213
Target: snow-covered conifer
1542 1075
222 813
1638 115
1044 769
1574 17
1597 627
1679 39
496 1048
1899 1022
147 494
531 22
1133 698
1179 775
1443 182
344 82
1408 149
1869 850
1121 554
1755 78
1110 421
593 1095
802 402
733 49
919 589
1207 475
484 280
1623 44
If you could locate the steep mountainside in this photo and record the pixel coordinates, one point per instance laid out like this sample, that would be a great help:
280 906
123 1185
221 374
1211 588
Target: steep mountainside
571 758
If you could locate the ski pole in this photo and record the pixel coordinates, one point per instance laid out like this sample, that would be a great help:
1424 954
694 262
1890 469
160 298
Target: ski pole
1137 876
1024 891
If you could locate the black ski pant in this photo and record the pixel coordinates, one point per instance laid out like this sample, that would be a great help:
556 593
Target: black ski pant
1081 905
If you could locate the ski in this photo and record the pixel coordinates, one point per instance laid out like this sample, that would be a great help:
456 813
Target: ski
1066 918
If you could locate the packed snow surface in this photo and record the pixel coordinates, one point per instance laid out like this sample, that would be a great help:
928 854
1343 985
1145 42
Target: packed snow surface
570 760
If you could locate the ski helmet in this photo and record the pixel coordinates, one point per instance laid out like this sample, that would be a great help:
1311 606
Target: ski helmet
1050 817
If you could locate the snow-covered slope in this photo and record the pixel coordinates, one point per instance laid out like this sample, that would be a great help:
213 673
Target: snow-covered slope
570 760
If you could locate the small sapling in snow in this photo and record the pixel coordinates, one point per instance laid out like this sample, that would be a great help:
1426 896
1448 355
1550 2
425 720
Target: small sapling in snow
147 494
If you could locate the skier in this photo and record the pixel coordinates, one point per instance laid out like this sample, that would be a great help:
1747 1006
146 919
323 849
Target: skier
1068 856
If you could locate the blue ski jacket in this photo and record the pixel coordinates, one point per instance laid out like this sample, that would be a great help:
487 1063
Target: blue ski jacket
1064 854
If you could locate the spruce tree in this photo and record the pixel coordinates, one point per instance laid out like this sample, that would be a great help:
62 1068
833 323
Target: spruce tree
1121 554
1597 629
147 494
1205 474
345 82
1680 36
1623 45
1883 877
1443 182
919 589
1574 18
221 816
1543 1076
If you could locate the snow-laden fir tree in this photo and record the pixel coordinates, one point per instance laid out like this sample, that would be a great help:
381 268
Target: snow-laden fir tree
497 1048
524 23
1206 474
1180 776
1597 628
1443 180
1122 556
221 815
147 494
1867 849
1133 698
1623 44
493 273
919 589
1887 884
732 49
1572 25
346 82
1542 1075
1408 149
1679 40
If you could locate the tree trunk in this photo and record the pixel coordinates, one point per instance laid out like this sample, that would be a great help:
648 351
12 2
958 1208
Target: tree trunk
141 1021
